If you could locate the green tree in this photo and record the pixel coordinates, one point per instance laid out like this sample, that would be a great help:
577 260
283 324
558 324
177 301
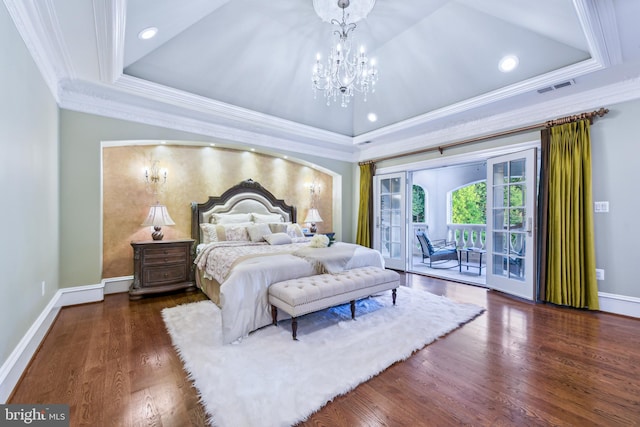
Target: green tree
418 203
469 204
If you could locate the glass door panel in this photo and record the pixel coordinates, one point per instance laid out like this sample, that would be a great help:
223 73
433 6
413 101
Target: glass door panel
390 219
512 187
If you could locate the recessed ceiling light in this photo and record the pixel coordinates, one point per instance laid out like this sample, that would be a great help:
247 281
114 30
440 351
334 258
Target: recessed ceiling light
147 33
372 117
508 63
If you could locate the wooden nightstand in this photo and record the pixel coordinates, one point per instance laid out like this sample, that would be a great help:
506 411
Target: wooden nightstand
161 266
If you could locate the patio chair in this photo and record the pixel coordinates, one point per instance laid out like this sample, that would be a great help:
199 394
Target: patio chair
438 251
515 265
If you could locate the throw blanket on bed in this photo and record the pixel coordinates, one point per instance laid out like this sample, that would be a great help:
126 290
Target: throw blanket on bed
332 259
217 260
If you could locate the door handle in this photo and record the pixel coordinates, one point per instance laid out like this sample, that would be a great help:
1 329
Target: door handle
530 226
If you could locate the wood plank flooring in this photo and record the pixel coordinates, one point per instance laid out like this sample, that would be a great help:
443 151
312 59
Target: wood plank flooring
518 364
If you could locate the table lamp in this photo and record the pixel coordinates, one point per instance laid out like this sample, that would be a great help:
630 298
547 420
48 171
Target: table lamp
158 216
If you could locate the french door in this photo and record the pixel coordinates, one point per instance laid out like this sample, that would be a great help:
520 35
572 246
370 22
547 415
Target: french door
390 219
510 245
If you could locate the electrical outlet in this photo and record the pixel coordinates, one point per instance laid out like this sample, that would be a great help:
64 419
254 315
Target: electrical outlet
43 286
599 274
601 207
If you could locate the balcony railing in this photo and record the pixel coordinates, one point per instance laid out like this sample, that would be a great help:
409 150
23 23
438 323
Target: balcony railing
465 235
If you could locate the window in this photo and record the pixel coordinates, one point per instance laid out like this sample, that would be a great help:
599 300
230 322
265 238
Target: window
418 204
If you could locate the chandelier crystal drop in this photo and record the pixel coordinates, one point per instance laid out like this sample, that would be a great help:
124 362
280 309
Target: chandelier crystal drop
346 71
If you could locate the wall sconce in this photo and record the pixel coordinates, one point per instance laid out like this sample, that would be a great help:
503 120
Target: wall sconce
313 216
314 190
158 216
155 178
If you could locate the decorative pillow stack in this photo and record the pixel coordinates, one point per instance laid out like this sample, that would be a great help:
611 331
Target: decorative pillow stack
250 227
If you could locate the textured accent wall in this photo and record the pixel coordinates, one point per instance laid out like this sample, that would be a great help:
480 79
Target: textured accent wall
193 174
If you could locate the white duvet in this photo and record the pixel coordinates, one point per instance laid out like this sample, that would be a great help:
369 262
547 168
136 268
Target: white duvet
243 294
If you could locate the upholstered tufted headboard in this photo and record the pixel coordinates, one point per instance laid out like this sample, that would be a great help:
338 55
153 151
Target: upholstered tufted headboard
246 197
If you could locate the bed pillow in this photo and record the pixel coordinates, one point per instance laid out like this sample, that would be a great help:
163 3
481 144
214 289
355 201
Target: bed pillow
209 233
266 218
258 231
234 232
231 218
294 230
280 227
277 238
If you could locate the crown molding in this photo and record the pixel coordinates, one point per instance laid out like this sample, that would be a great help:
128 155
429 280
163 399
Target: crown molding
502 94
38 25
103 101
603 40
110 19
226 112
125 97
606 96
604 49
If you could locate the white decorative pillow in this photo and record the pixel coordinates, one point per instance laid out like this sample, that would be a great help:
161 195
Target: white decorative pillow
280 227
209 233
231 218
266 218
258 231
294 230
237 233
277 238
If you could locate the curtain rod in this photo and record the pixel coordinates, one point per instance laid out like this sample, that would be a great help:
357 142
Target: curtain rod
550 123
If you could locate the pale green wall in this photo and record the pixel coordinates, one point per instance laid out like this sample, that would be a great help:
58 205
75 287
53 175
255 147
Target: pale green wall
28 189
615 152
80 209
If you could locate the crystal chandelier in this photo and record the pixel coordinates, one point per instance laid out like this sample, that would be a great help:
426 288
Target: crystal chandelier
346 70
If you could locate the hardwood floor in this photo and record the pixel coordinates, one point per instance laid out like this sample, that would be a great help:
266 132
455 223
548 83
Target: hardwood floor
517 364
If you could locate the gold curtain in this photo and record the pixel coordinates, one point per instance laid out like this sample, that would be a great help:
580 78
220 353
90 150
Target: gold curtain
543 214
570 275
365 210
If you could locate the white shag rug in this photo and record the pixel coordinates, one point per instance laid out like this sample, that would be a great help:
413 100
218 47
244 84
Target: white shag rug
267 379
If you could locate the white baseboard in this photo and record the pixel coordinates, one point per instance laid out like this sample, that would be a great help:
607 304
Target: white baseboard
116 285
18 360
619 304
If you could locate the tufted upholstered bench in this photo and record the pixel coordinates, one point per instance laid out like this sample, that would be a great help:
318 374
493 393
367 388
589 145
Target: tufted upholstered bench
305 295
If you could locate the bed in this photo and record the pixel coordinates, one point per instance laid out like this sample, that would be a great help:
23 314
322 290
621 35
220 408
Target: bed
246 240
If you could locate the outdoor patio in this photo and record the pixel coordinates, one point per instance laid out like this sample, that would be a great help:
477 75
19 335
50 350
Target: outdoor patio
450 271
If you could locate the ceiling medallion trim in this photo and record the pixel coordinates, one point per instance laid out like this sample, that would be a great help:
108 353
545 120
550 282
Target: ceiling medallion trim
329 10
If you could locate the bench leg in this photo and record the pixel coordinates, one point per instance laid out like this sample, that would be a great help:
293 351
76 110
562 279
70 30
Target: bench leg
353 309
274 314
393 296
294 328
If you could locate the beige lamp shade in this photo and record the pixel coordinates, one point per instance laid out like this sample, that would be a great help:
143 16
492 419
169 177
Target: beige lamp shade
157 217
313 216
